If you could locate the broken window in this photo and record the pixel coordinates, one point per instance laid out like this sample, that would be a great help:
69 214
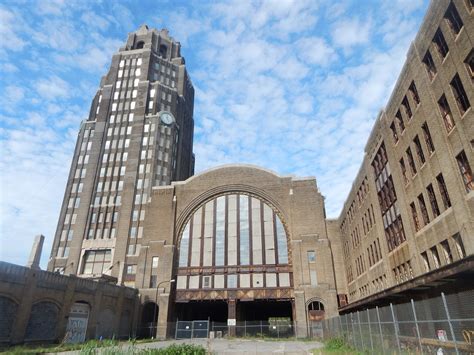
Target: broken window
427 135
465 170
460 94
443 191
446 113
424 211
430 65
441 44
453 19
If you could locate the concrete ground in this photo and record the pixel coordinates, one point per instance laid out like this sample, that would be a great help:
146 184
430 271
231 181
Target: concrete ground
245 346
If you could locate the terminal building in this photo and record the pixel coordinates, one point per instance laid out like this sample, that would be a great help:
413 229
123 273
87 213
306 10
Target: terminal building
241 243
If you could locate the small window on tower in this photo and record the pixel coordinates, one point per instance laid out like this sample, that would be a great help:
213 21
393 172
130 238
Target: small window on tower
140 45
163 50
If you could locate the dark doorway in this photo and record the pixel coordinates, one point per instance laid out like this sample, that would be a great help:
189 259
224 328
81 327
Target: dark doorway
216 311
263 310
149 319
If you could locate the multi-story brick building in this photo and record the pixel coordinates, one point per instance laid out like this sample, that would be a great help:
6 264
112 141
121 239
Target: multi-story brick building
139 134
411 206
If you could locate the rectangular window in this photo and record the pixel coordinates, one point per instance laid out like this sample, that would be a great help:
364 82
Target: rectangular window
430 65
414 93
401 124
441 44
453 19
154 262
427 135
419 150
433 201
446 113
131 269
435 255
426 262
206 281
96 262
465 170
424 211
404 171
459 245
394 132
406 105
153 281
448 257
470 64
411 161
460 94
311 256
414 215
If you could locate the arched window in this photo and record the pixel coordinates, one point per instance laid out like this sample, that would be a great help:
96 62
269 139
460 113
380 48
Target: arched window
140 45
234 229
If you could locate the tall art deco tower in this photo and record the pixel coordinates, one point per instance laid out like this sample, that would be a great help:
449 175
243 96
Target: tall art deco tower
139 134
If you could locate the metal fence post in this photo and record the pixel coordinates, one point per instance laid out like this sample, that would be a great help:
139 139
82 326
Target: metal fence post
395 326
416 325
449 322
370 330
360 331
380 329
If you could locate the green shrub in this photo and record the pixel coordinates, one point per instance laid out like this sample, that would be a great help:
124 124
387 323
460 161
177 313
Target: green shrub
181 349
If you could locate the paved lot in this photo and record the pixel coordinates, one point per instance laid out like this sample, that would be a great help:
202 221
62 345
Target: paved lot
245 346
234 346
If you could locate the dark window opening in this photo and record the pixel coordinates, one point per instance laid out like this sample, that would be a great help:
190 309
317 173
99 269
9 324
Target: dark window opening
427 135
404 171
419 150
394 132
163 51
414 215
470 64
441 44
423 209
459 245
406 105
443 191
447 252
446 113
465 170
401 124
430 65
140 45
433 201
453 19
414 93
460 94
411 161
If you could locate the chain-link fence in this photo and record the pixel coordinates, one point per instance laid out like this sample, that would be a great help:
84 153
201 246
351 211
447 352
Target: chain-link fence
439 325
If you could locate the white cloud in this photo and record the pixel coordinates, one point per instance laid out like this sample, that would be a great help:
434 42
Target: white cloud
315 50
53 88
9 31
350 32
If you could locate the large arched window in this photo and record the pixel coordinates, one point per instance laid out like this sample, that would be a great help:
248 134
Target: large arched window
238 240
233 229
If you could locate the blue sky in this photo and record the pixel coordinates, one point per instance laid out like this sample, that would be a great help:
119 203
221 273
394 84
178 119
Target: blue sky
293 86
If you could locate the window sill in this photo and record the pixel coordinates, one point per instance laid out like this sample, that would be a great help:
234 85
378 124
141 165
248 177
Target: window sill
466 112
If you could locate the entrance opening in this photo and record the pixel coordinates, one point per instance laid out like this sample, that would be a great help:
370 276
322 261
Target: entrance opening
316 315
216 311
149 319
263 310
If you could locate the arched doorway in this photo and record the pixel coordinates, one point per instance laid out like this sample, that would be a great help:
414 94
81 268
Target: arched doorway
150 313
315 318
42 322
77 323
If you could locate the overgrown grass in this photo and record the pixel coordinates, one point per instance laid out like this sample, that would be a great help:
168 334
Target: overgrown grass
336 346
109 347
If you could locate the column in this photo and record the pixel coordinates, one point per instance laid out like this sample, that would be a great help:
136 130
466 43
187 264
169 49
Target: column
231 316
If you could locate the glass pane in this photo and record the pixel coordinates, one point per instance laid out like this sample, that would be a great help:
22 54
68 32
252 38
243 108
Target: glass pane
220 231
184 247
244 230
281 239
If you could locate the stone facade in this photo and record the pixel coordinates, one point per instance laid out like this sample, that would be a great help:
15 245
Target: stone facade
297 203
36 306
412 167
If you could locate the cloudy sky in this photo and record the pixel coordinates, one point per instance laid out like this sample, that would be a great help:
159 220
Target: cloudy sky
293 86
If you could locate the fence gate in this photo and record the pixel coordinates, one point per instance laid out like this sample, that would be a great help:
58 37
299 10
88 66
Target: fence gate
192 329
